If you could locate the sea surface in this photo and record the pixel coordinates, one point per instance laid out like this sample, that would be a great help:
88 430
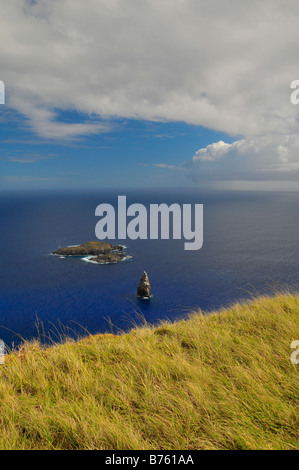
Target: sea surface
251 246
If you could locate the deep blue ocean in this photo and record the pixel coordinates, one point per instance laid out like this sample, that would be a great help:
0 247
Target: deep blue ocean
251 243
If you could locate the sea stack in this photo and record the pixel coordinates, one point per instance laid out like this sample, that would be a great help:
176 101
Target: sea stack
144 287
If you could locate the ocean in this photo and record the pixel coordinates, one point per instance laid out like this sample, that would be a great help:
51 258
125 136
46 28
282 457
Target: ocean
250 247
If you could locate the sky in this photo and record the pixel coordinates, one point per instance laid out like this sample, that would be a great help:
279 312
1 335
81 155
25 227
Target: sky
149 93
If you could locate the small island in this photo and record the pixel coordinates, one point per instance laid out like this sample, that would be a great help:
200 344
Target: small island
95 251
144 287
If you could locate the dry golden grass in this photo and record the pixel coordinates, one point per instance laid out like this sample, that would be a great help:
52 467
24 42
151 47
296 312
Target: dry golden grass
222 381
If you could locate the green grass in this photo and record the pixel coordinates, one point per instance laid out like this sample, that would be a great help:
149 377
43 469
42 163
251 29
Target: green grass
222 381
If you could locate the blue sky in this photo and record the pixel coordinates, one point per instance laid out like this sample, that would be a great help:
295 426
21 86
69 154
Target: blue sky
149 93
133 153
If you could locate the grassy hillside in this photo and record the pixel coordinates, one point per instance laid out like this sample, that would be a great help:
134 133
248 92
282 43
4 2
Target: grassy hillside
223 381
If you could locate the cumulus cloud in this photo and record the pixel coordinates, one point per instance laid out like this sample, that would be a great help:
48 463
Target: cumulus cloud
223 64
262 158
215 150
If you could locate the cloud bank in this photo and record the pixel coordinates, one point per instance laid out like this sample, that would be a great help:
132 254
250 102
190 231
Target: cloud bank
223 64
263 158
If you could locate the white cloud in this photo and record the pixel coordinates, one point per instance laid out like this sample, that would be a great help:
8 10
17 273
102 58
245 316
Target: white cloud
169 167
20 157
216 150
223 64
261 158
